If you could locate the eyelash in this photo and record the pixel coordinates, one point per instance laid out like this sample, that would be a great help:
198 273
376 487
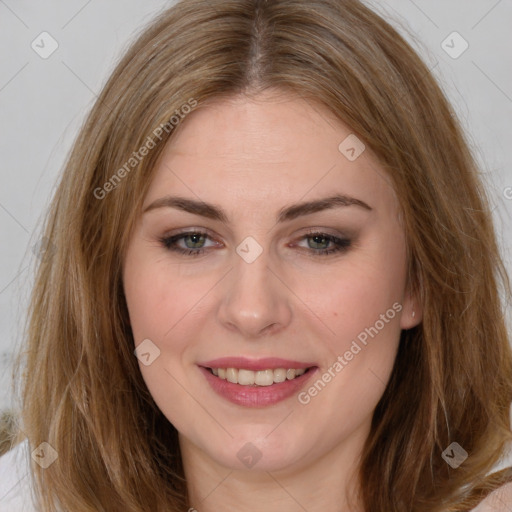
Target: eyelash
341 244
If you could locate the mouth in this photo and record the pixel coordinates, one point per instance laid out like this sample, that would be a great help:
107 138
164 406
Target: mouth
267 377
256 383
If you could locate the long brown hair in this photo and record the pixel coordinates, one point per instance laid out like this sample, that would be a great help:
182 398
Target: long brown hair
452 381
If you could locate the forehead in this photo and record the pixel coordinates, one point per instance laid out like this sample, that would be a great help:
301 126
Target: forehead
275 147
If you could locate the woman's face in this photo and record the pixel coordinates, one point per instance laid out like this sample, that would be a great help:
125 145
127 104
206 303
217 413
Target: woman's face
269 247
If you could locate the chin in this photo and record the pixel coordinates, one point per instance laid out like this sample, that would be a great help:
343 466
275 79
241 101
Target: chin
255 451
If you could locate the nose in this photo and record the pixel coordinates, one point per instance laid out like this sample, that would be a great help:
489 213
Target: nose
254 301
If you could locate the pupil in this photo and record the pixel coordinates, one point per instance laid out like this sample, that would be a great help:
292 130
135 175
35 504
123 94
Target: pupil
196 240
318 242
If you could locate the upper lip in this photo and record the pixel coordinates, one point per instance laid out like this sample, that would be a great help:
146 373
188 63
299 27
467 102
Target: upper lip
266 363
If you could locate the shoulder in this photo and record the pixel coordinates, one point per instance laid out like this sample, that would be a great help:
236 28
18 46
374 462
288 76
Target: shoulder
15 480
498 501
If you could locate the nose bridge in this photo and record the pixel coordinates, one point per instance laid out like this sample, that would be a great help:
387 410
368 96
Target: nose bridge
254 300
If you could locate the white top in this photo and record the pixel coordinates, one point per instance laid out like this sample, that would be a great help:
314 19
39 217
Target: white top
15 485
15 480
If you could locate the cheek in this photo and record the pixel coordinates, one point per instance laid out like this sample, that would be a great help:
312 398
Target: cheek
159 305
158 298
351 296
359 354
360 301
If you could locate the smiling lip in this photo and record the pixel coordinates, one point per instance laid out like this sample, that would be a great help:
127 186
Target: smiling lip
256 396
267 363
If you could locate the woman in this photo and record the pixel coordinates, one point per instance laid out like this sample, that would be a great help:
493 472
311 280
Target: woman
273 283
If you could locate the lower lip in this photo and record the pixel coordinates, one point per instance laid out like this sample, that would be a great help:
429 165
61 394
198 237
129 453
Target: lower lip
256 396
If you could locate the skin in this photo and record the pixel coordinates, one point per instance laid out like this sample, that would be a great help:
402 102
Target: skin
252 157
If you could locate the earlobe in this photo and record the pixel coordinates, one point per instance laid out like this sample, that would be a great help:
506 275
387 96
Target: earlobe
412 313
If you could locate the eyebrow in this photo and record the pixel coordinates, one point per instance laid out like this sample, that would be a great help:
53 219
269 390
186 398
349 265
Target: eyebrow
288 213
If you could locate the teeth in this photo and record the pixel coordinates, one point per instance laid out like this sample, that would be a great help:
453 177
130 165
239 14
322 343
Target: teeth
232 375
245 377
264 377
279 375
258 378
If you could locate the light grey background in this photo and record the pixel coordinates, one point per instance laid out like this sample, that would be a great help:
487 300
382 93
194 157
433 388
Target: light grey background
43 102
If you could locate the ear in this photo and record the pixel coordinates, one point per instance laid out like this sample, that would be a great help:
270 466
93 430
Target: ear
412 311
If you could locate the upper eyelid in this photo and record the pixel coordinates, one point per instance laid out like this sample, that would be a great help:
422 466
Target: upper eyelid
188 231
309 231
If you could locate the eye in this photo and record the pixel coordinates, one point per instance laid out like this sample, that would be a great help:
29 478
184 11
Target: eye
194 240
195 243
189 243
324 244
